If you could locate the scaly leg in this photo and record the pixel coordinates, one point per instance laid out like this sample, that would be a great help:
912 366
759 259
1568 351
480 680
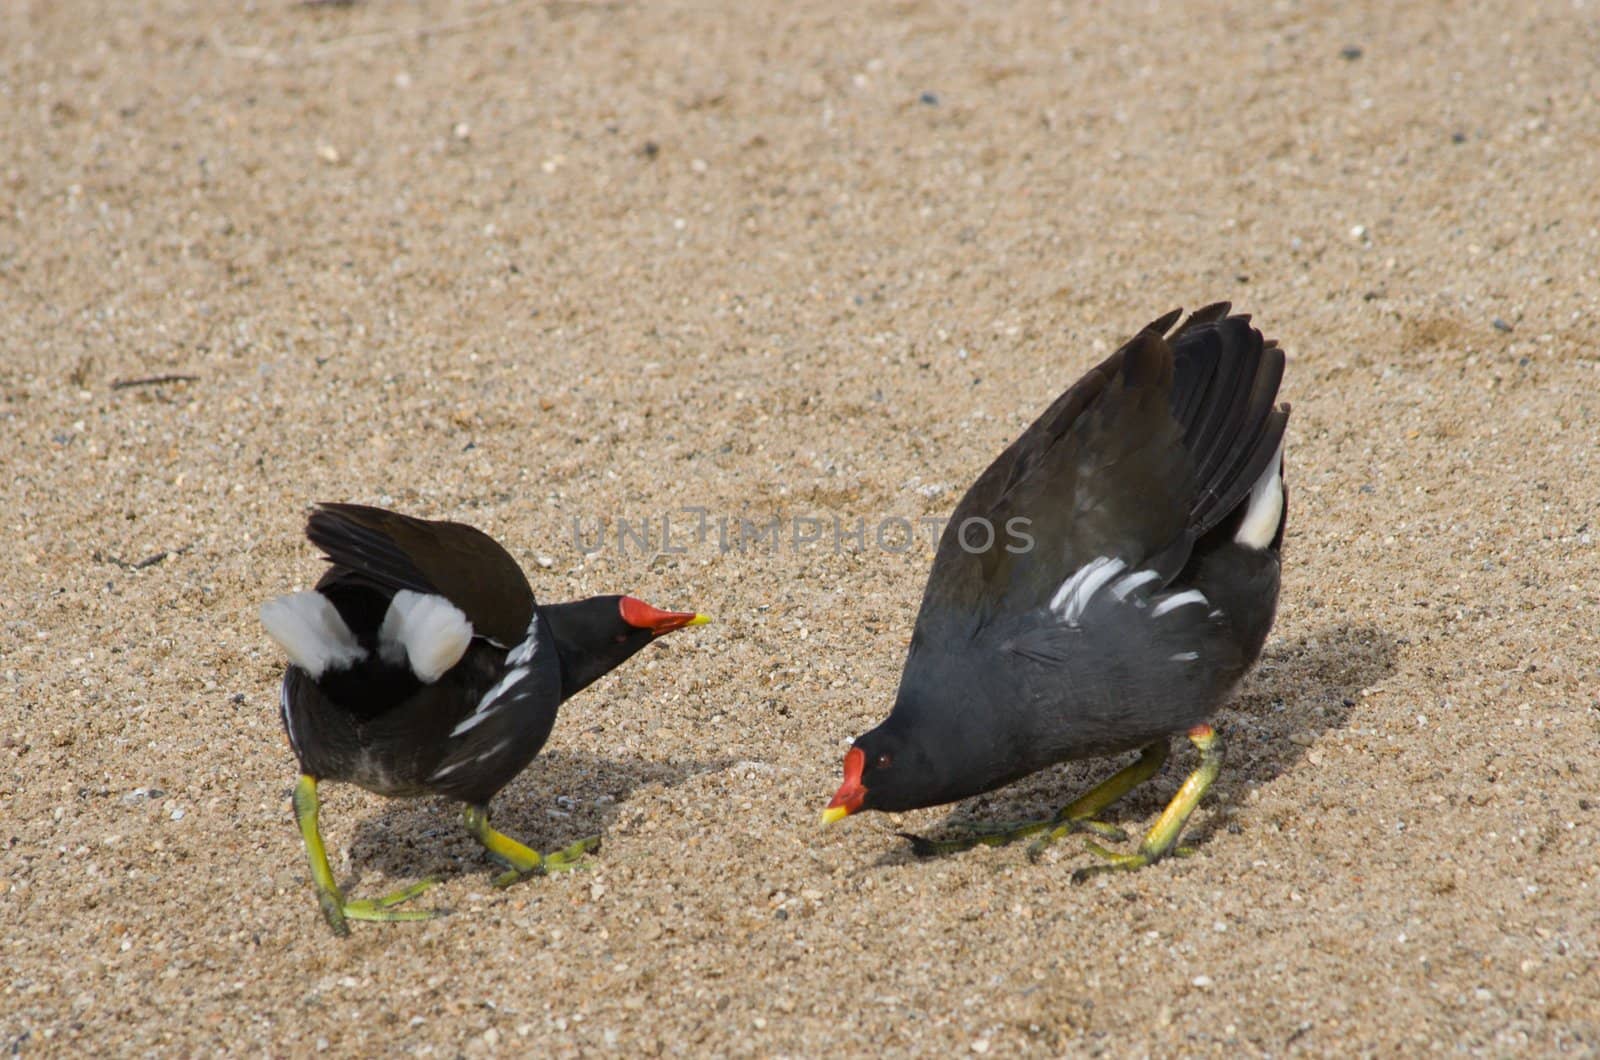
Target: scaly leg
335 909
521 861
1076 816
1163 835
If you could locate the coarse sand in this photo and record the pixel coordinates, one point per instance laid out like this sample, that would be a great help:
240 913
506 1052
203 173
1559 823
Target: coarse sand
548 267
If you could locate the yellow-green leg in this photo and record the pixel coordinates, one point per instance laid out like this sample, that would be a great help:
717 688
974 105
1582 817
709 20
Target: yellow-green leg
521 861
1162 838
1076 816
335 908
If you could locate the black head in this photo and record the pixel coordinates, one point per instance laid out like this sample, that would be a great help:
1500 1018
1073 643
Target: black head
884 770
597 635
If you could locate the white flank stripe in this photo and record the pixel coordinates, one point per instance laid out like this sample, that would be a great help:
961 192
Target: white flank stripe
1261 518
427 630
496 749
288 721
1172 603
486 705
1128 583
1076 592
1184 656
446 770
309 630
525 651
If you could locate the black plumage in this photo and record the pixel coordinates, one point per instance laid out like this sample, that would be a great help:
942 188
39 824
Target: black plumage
422 664
1149 499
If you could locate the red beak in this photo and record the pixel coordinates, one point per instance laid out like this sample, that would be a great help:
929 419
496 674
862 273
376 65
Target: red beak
641 615
852 793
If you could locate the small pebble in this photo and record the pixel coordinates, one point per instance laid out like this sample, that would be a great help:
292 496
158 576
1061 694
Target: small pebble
1350 52
1203 982
930 99
1501 325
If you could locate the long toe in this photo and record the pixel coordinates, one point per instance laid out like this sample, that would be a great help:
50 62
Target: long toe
515 876
373 909
1099 828
567 859
1037 848
571 856
923 847
383 909
1114 863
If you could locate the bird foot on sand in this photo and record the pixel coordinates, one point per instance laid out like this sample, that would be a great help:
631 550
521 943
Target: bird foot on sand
1115 862
336 909
1037 848
567 859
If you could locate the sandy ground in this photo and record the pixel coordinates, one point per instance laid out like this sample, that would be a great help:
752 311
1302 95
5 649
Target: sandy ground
522 264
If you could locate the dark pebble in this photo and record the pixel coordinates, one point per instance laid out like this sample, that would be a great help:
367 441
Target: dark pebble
650 149
781 914
1501 325
1458 137
930 99
1350 52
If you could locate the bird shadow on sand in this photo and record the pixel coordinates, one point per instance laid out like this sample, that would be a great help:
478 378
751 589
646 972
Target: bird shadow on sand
1299 690
562 797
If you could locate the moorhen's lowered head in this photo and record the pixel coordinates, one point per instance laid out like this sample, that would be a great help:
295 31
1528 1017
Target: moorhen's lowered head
889 769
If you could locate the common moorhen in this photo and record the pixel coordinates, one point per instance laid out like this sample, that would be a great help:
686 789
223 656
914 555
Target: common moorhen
421 664
1102 586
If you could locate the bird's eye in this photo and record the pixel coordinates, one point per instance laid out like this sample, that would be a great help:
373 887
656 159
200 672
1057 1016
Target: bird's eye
884 761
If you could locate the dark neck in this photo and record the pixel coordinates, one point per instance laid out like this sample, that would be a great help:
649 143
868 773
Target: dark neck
586 634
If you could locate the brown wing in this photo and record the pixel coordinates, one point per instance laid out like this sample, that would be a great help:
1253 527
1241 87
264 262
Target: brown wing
456 561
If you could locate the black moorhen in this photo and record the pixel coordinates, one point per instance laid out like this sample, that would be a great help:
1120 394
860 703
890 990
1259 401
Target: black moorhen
421 664
1102 586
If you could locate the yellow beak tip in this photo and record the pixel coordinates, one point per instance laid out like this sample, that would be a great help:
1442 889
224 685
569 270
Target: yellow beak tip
834 813
699 620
